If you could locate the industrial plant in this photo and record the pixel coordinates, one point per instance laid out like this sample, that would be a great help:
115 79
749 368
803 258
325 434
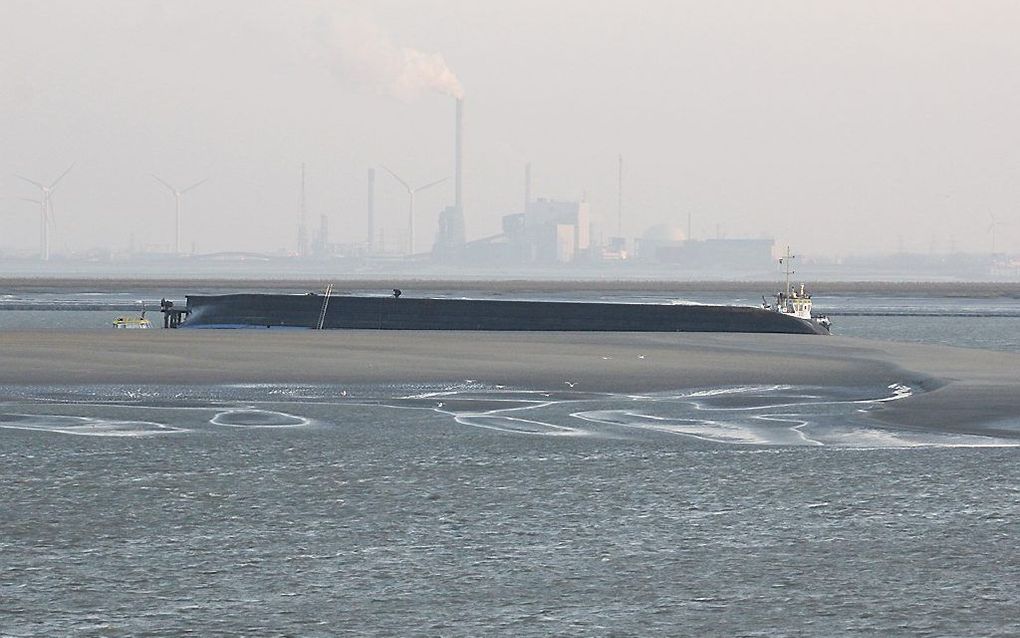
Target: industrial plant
544 234
549 232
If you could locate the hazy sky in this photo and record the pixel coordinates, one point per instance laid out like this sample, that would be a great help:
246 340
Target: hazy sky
837 126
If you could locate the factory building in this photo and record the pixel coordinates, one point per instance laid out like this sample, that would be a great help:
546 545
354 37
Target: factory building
450 238
548 231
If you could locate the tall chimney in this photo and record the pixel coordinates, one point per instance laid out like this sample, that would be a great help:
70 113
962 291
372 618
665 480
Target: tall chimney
371 209
450 237
458 150
527 186
323 236
302 229
619 197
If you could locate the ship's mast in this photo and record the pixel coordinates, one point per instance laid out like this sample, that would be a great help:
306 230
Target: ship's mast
787 259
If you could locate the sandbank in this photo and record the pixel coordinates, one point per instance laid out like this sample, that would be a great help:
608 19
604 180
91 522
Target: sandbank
955 389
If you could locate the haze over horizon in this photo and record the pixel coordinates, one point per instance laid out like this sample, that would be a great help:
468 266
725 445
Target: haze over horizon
838 128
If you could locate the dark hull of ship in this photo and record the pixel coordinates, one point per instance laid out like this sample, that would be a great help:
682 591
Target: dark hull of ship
408 313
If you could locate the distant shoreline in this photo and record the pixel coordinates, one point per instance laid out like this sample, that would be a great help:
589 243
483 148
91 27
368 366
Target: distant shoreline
22 285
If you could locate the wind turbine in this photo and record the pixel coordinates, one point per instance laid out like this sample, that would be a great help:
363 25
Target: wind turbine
410 205
178 193
45 203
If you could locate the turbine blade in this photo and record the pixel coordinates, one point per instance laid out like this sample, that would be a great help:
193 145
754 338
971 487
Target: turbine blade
431 184
169 187
30 181
195 185
57 181
397 177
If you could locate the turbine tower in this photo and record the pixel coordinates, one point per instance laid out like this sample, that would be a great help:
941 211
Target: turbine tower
410 204
45 203
178 193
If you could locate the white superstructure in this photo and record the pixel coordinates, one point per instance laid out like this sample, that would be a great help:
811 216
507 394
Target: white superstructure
792 301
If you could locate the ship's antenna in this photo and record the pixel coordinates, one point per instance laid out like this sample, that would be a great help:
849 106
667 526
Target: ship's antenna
787 259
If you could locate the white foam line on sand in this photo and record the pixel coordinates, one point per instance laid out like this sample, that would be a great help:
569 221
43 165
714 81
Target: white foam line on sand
533 406
556 430
900 391
743 389
135 406
712 431
798 429
89 426
300 421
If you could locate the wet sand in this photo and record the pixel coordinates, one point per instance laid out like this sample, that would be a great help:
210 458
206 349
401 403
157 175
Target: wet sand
955 389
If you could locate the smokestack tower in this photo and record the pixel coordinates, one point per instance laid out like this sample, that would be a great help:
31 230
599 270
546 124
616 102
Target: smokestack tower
451 238
323 243
527 186
371 210
619 197
302 229
458 156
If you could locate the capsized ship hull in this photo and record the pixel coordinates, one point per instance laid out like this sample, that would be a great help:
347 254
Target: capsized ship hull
409 313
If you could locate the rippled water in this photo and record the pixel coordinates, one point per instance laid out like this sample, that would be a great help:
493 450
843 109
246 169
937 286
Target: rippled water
468 510
461 510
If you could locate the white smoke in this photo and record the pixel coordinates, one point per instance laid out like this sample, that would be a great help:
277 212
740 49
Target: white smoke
359 51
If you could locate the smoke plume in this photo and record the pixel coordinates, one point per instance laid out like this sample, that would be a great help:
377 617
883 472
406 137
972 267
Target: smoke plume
359 51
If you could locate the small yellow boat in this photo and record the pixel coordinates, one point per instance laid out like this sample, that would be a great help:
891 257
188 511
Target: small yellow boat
132 322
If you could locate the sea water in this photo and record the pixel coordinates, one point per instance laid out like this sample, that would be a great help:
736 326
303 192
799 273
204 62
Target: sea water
460 509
